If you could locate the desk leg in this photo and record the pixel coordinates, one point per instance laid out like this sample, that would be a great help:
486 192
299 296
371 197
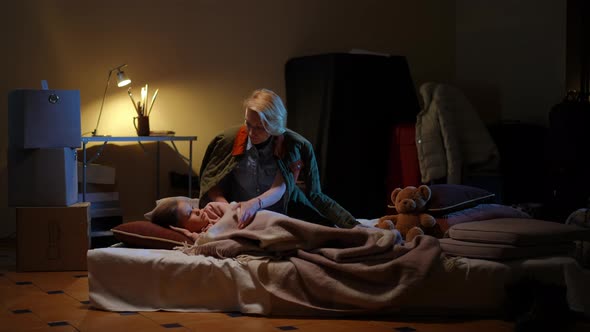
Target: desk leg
190 169
83 171
157 170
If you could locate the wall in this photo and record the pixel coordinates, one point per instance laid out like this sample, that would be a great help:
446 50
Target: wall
511 57
205 56
578 52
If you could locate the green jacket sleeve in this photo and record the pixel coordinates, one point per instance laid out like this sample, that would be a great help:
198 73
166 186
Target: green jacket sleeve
306 199
322 202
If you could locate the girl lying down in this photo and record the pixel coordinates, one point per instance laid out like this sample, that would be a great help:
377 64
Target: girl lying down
180 215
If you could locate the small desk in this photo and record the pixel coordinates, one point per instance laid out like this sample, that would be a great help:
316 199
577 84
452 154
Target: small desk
139 139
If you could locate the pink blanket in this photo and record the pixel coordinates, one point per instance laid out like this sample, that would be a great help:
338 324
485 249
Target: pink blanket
310 268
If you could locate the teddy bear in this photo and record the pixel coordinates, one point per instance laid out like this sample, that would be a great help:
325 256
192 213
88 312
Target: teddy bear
410 220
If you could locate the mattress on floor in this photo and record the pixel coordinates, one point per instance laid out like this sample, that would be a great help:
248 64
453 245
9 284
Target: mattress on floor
125 279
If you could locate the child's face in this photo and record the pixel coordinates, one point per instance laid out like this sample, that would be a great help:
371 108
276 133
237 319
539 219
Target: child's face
189 218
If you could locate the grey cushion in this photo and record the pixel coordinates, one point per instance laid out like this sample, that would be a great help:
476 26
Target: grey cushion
495 251
517 232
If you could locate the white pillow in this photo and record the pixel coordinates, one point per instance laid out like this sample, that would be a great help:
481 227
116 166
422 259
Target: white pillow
194 202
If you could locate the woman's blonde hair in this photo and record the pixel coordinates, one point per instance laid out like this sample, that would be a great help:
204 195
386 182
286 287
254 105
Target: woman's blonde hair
270 108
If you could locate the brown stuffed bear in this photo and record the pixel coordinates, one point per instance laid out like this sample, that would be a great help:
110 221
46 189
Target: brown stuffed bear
409 203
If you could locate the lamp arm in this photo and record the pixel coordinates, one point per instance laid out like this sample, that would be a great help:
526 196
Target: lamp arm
119 67
102 103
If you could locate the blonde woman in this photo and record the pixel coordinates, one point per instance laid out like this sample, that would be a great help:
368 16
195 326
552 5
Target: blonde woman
263 165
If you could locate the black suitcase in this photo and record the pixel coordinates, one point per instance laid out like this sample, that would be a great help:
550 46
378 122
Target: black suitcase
345 105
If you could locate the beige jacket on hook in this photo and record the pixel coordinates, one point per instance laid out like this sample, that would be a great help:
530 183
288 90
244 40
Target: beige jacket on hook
451 138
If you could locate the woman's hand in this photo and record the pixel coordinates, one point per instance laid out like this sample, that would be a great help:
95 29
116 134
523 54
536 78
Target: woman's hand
194 236
246 212
215 210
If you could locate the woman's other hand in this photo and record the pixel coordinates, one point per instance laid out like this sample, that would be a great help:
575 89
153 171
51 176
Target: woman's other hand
215 210
246 212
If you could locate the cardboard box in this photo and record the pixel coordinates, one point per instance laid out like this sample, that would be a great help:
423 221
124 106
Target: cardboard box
52 238
42 177
44 119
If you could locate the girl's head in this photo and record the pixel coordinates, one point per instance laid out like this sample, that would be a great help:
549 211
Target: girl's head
265 115
179 213
166 213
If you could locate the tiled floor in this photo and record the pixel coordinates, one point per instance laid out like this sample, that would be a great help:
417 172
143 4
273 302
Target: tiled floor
58 301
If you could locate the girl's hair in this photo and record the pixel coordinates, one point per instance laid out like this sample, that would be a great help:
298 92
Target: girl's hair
166 213
270 108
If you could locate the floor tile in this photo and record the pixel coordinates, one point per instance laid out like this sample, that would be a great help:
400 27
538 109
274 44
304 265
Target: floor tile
50 280
78 289
405 329
343 326
457 325
65 328
163 317
242 324
22 283
11 322
292 321
100 321
20 297
171 325
127 313
56 307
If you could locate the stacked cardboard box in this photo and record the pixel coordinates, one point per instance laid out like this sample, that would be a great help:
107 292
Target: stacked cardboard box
52 238
42 177
44 132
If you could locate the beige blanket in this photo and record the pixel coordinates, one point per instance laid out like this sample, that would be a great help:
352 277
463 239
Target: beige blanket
309 268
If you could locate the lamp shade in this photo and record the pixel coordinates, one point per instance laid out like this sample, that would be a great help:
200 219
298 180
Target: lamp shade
122 79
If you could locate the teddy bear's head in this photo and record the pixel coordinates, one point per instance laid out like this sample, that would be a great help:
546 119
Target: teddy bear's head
411 199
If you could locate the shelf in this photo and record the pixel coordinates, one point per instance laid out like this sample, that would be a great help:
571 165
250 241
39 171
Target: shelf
100 233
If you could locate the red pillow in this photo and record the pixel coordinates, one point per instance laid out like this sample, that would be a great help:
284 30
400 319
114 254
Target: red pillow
145 234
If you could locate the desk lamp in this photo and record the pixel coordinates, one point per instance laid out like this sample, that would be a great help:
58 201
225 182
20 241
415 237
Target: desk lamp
122 80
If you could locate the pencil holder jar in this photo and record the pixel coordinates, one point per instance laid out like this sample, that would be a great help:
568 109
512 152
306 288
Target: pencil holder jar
142 125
